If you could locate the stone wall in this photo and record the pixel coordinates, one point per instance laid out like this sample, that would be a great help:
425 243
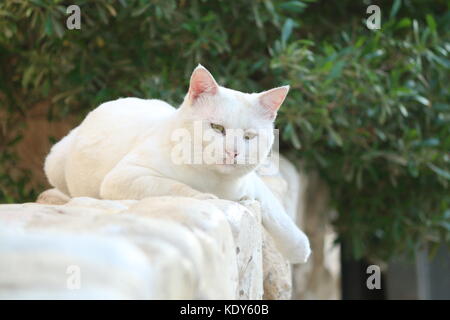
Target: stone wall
160 248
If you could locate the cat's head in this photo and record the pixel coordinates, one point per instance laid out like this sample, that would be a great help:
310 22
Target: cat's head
231 131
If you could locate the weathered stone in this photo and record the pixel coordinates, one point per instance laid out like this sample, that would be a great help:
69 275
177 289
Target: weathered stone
217 269
36 265
277 272
245 223
188 246
163 247
305 198
276 269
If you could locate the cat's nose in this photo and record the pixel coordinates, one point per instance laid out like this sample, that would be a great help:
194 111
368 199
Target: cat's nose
232 154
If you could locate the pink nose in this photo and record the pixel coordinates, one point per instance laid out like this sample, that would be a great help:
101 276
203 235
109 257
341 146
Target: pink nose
232 154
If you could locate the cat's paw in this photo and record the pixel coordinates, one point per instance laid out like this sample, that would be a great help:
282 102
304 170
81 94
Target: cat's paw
247 201
245 198
300 251
206 196
52 196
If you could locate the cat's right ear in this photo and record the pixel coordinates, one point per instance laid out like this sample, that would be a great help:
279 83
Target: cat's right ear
202 82
272 99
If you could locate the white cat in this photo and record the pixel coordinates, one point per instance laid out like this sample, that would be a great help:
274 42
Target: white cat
124 149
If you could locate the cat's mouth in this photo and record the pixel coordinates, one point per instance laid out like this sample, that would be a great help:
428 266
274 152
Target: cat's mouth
233 163
233 167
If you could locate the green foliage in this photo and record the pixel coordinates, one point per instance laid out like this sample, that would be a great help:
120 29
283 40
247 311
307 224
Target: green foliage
368 109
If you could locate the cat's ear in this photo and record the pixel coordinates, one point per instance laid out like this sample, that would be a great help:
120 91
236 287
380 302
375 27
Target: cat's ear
202 82
272 99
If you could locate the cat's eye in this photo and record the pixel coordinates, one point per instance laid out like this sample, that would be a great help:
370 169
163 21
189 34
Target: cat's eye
218 128
249 135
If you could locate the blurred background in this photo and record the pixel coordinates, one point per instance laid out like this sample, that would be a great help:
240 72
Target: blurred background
368 111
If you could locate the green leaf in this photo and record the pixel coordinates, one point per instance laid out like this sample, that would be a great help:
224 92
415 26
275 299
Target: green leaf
335 137
290 133
412 168
441 172
404 23
48 28
431 142
59 30
336 70
423 100
28 74
293 6
139 11
431 22
287 30
395 7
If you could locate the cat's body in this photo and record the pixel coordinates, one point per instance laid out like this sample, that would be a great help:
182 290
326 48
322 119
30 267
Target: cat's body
124 150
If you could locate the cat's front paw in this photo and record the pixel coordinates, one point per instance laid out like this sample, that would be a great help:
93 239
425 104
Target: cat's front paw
245 198
247 201
205 196
53 196
300 251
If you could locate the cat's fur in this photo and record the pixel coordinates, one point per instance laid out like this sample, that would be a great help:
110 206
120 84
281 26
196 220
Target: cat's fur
124 150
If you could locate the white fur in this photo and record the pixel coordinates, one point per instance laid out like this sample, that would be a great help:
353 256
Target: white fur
123 150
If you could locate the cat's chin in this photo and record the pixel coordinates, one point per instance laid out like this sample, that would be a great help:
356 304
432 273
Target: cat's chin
233 169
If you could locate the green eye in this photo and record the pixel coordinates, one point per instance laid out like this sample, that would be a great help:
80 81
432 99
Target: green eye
218 128
249 135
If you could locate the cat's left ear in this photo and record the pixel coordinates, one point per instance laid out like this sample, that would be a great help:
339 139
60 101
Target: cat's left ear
272 99
202 82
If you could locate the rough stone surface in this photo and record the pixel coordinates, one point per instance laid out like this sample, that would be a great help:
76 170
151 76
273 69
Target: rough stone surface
276 269
188 252
190 249
161 248
277 272
305 197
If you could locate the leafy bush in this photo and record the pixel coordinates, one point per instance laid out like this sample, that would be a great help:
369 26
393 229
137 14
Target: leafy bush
368 109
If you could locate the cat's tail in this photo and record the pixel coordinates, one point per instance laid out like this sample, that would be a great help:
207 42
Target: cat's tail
55 162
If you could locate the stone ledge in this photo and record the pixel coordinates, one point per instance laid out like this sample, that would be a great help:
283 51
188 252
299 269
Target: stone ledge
156 248
183 248
163 247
